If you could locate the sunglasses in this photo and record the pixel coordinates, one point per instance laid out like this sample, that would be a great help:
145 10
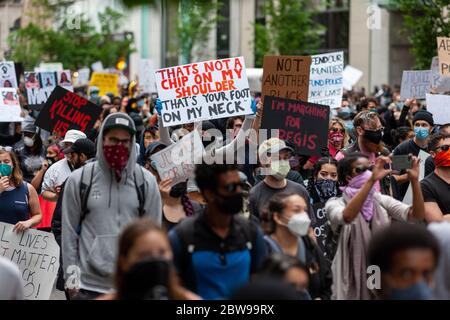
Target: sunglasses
7 149
232 187
337 130
444 147
361 169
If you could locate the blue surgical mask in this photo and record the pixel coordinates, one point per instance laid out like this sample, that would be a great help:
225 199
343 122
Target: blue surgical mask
421 133
349 125
5 170
140 103
418 291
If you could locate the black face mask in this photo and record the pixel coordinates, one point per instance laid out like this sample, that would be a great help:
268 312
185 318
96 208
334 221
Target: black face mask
326 189
373 136
232 204
147 280
178 190
51 161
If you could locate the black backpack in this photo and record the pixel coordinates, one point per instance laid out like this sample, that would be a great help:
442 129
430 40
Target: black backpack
87 175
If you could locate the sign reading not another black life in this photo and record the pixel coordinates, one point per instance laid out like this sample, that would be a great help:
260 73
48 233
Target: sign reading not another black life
303 123
65 110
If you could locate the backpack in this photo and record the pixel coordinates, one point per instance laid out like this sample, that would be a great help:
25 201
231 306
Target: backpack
87 174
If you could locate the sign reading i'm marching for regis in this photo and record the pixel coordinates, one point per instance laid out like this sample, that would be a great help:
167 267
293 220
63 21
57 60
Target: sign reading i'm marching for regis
303 123
203 91
36 253
65 110
286 77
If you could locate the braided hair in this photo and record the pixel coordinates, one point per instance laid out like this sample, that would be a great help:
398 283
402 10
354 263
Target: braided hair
187 205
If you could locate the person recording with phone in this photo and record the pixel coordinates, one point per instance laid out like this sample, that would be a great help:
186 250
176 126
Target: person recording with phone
423 124
361 212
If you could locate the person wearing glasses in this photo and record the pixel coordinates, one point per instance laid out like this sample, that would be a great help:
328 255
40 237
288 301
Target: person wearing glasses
117 191
19 204
423 124
360 212
369 132
216 251
436 186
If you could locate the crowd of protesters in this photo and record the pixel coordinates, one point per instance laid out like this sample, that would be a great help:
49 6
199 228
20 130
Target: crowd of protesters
238 230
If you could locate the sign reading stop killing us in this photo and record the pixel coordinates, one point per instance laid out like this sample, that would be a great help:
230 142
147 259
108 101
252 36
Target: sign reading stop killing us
286 77
65 110
36 253
203 91
303 123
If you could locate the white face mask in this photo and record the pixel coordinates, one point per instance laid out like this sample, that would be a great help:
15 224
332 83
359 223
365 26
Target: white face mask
299 224
280 169
29 142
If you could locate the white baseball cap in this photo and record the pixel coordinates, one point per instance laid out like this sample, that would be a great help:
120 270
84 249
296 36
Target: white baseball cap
73 135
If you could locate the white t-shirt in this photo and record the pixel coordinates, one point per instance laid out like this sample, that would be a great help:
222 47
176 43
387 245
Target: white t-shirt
56 175
11 287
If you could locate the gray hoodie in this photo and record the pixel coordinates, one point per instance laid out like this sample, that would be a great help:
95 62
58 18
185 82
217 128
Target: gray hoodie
111 206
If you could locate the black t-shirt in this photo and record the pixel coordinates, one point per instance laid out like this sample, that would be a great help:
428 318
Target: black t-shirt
435 189
429 166
405 148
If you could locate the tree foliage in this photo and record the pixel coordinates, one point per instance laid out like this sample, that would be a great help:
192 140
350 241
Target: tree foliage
74 41
424 20
290 29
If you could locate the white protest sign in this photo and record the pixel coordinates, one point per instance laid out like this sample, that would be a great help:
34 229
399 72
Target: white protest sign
422 156
83 77
147 76
439 83
9 105
254 76
97 66
178 160
49 66
36 253
351 76
7 75
203 91
40 85
325 79
439 106
415 84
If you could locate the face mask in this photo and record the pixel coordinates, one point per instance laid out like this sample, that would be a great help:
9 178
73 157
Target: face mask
293 162
178 190
140 103
5 170
373 136
280 169
336 137
326 189
147 280
50 161
29 142
117 158
442 159
232 204
349 125
299 224
421 133
417 291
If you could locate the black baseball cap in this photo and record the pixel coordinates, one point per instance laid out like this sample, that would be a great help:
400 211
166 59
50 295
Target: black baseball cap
84 145
152 148
119 120
138 122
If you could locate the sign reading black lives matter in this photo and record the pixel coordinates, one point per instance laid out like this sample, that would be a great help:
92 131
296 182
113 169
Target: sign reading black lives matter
305 124
65 110
36 253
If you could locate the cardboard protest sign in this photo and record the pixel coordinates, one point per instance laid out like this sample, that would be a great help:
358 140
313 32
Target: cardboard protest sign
326 80
178 160
9 105
439 83
443 48
415 84
303 123
351 77
40 85
439 106
147 76
8 78
203 91
105 82
65 110
36 253
321 225
286 77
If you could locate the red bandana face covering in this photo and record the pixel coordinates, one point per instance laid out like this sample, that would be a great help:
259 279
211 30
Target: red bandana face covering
442 159
117 158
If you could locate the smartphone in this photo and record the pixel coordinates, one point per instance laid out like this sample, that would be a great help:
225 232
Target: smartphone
401 162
